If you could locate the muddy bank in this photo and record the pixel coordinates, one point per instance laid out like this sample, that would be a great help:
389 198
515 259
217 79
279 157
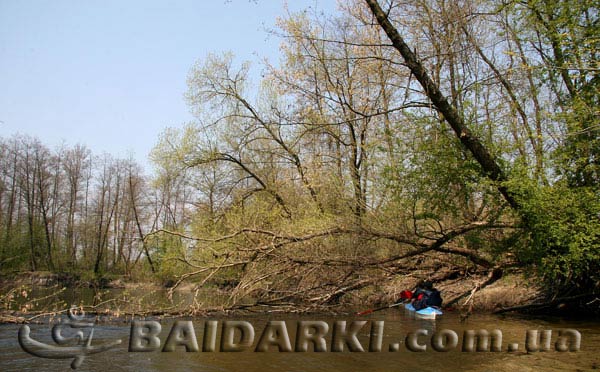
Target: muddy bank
47 279
35 296
39 294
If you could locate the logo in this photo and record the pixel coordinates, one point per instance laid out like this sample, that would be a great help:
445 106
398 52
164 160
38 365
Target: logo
75 346
73 338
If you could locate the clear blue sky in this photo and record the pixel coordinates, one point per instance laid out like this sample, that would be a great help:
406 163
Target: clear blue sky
112 74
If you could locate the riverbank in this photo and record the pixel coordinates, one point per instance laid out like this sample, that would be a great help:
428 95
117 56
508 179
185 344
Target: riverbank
30 296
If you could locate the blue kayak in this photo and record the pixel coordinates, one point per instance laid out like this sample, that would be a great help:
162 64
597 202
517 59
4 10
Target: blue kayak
426 313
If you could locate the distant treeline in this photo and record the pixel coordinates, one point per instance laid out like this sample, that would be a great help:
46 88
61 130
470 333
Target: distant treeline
66 209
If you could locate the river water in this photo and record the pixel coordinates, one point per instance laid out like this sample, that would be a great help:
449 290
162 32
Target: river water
396 326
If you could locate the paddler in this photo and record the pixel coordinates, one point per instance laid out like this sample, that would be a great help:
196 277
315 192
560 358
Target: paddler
426 295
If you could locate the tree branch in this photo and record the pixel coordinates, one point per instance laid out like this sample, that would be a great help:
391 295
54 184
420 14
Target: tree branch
487 162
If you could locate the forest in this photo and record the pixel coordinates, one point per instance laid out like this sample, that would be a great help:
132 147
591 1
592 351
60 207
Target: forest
394 141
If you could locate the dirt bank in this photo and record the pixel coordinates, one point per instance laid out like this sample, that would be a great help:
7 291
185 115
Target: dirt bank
464 294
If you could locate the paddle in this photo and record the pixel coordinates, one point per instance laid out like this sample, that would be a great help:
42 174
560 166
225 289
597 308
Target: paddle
378 309
404 296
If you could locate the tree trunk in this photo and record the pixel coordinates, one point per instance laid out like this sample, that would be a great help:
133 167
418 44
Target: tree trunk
487 162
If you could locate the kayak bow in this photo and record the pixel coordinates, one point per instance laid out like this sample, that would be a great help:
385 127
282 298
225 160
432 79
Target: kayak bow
426 313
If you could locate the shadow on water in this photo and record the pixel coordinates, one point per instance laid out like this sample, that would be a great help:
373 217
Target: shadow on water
396 327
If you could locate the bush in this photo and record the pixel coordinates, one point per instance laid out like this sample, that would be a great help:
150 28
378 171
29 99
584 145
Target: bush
564 235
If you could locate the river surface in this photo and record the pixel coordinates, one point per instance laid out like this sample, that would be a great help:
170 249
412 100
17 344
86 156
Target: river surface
396 326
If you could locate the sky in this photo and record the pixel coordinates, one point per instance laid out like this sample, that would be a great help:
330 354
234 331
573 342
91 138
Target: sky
111 75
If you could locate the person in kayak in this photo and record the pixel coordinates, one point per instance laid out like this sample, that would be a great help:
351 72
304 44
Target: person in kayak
426 295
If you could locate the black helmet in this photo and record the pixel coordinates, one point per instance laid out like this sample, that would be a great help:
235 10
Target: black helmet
426 284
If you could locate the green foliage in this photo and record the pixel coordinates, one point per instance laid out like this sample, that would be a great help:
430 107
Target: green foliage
563 225
15 252
572 32
166 251
580 155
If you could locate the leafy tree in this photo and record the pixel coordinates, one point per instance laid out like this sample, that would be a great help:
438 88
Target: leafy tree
562 216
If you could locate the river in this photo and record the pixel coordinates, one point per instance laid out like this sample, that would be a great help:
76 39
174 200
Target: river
395 323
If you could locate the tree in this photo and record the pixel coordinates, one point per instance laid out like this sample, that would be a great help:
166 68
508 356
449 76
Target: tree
75 163
310 168
486 160
563 257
